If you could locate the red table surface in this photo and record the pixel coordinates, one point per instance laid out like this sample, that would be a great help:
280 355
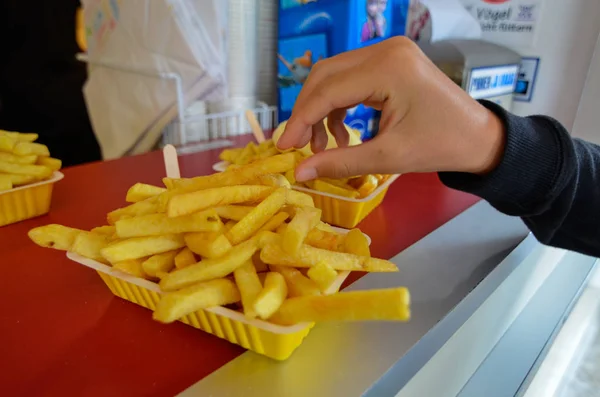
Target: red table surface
62 332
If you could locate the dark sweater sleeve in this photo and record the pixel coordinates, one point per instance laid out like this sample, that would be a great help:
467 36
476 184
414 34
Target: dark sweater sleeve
547 178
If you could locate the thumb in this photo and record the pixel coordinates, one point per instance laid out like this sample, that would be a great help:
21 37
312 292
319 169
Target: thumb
367 158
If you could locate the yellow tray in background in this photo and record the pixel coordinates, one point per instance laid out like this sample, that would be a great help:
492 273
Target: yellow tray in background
271 340
337 210
344 211
27 201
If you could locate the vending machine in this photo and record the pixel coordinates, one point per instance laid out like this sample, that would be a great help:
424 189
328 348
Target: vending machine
485 70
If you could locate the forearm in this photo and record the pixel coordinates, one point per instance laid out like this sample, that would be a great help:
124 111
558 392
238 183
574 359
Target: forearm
549 179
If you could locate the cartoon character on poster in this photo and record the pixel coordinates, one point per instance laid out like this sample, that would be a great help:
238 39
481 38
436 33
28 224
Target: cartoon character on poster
299 69
418 25
376 24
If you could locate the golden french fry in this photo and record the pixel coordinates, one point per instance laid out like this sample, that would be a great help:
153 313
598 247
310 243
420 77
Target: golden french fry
273 180
19 180
38 171
229 225
174 305
20 136
259 215
90 245
208 244
274 222
50 162
323 275
106 230
159 263
233 212
304 221
5 183
142 191
158 224
185 258
230 155
7 143
273 254
133 267
259 265
291 177
54 236
272 295
326 187
140 247
384 304
297 283
148 206
13 158
299 199
356 243
268 152
319 238
239 176
249 285
188 203
365 185
25 148
343 183
266 238
210 269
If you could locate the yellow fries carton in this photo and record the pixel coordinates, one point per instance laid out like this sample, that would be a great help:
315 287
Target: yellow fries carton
347 212
271 340
27 201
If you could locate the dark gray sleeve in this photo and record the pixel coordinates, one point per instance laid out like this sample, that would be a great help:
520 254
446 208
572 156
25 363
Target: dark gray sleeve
547 178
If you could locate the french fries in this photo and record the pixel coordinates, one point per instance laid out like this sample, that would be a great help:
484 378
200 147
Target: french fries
273 256
210 269
302 223
158 224
175 305
256 218
323 275
159 263
249 285
307 256
23 161
139 247
133 267
354 188
184 258
385 304
142 191
297 283
188 203
272 296
54 236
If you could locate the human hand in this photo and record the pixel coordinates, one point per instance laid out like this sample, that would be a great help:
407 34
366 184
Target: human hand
428 123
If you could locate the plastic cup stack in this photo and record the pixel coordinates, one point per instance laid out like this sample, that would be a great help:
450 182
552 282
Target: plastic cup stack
267 55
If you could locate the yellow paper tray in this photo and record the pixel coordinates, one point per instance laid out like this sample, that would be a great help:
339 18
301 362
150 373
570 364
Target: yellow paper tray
343 211
28 201
337 210
275 341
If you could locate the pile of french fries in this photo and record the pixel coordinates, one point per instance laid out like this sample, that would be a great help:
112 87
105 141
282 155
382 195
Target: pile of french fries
355 188
241 239
23 161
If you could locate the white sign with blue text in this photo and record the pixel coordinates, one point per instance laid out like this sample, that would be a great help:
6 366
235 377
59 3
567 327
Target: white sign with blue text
490 82
507 22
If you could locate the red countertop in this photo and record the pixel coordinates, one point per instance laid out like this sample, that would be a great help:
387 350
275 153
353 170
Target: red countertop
62 332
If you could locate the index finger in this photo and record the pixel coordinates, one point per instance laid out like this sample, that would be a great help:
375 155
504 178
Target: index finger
340 91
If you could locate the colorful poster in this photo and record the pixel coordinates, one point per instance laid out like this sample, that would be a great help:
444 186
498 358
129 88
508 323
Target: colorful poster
512 23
